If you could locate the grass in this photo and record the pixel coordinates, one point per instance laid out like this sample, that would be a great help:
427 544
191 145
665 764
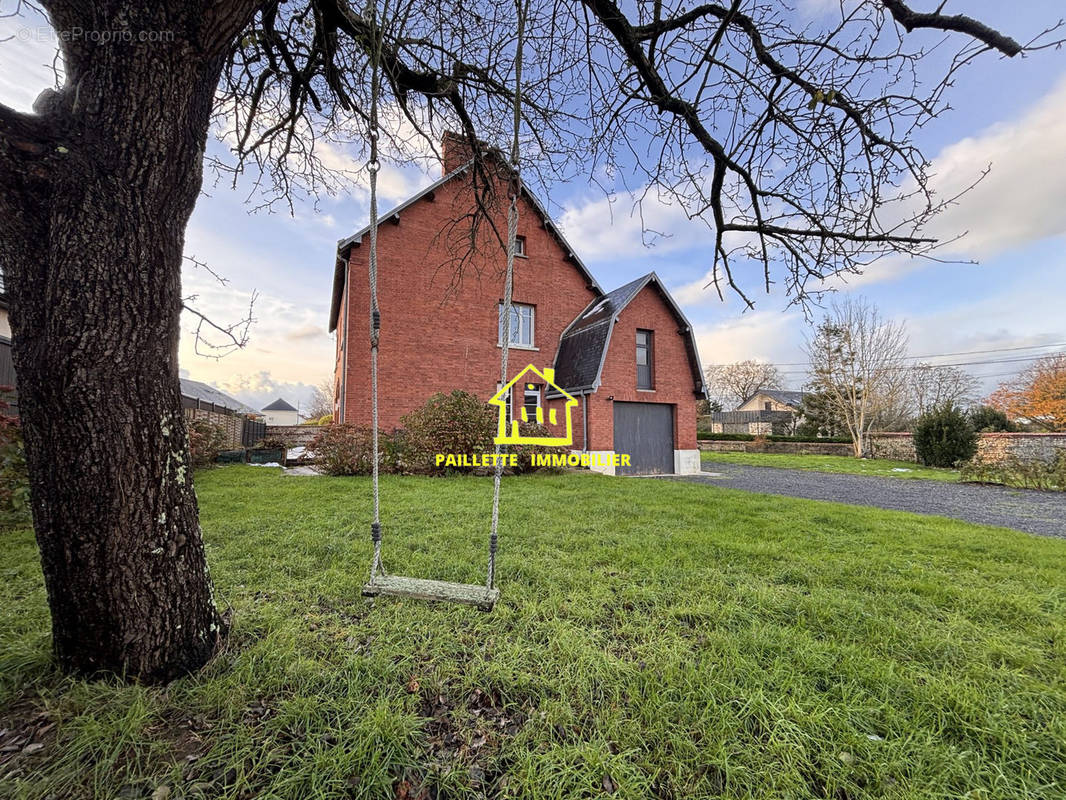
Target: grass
655 639
883 467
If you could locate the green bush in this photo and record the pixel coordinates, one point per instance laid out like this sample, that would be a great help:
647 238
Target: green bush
986 419
526 452
14 477
1048 475
944 437
448 423
206 441
349 450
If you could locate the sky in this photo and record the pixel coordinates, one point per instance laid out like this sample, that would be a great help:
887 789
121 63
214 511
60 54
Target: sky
1009 114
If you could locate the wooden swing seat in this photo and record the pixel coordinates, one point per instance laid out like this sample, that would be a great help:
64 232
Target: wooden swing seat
471 594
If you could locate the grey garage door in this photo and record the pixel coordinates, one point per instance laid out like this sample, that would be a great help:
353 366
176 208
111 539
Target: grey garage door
645 431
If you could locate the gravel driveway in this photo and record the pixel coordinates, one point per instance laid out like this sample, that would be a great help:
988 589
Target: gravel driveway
1043 513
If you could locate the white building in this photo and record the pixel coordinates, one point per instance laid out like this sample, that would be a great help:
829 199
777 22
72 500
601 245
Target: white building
281 413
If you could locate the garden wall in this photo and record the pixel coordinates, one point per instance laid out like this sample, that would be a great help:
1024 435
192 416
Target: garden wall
232 424
294 435
991 447
792 448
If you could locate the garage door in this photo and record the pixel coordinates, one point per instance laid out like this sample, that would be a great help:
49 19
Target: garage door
645 431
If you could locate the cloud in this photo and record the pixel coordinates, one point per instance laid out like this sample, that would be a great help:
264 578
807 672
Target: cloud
771 336
1023 199
27 49
259 389
618 226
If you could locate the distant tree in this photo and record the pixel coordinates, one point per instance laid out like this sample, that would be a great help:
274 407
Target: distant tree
820 417
933 386
1037 395
321 402
944 437
986 419
732 384
857 363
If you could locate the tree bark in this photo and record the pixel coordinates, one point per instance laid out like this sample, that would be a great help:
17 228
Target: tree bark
92 223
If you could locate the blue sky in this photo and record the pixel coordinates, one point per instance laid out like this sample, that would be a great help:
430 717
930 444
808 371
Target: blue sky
1007 113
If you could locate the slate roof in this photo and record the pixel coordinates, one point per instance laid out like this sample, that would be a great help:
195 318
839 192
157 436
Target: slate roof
340 270
786 396
583 345
209 394
279 405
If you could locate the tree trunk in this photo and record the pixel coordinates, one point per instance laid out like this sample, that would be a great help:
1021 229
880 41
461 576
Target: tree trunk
92 252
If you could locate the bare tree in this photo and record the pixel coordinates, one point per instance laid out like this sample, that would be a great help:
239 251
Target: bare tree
732 384
932 386
857 362
321 402
792 139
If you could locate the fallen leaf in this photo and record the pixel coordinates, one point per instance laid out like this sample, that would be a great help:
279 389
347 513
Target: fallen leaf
412 685
609 785
161 793
32 748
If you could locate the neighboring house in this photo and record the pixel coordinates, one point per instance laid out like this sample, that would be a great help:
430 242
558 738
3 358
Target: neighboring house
201 401
774 400
628 357
766 411
7 366
281 413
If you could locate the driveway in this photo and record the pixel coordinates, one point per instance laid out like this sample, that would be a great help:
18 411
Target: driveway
1043 513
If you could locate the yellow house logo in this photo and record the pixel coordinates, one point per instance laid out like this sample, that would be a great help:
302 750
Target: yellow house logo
500 401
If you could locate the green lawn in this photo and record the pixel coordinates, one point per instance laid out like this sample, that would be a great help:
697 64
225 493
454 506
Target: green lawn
655 639
855 466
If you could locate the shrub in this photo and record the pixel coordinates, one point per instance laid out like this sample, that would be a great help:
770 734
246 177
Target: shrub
1036 474
944 437
272 443
448 423
525 452
986 419
206 441
14 477
348 450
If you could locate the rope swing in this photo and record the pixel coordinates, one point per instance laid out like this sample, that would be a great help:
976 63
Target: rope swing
482 596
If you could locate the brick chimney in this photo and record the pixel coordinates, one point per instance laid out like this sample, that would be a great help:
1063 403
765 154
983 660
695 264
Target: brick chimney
455 150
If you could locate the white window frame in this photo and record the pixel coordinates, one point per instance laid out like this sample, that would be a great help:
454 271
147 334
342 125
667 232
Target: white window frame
532 324
520 246
528 393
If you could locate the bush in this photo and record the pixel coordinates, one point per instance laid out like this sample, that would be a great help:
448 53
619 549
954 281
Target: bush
986 419
448 423
206 441
944 437
14 477
526 452
348 450
1050 475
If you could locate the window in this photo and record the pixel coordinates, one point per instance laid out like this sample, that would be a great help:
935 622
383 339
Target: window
531 403
768 406
521 325
520 246
645 360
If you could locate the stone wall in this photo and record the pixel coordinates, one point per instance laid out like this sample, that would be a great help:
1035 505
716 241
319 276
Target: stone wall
991 447
294 435
791 448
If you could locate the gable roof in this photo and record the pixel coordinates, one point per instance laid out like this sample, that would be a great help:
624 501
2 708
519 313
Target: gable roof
583 345
344 246
786 396
279 405
196 390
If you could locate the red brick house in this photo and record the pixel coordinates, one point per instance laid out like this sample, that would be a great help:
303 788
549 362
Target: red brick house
627 356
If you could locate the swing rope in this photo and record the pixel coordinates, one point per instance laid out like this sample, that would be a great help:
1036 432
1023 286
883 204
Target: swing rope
411 587
373 165
508 285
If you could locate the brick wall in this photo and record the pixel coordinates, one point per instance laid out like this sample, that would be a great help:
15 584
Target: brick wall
671 372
